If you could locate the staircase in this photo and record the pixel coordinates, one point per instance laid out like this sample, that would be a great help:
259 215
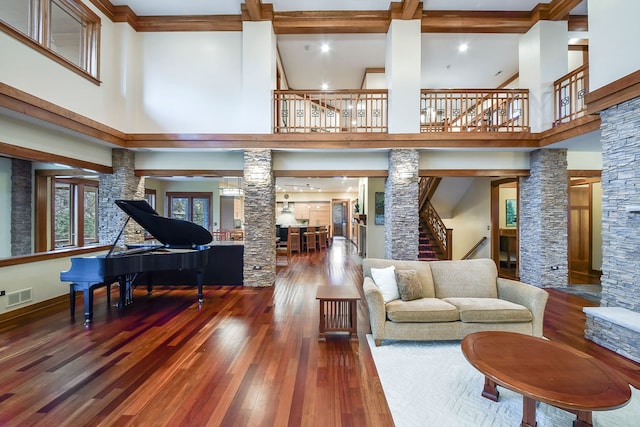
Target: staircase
428 249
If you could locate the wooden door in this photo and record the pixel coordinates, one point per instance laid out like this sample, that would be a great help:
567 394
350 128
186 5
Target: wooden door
340 218
580 230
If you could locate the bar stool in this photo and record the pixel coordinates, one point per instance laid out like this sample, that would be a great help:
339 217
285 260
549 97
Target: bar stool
293 239
309 238
322 237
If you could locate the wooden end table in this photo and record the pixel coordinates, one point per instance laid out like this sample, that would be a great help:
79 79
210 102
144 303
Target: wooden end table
545 371
338 310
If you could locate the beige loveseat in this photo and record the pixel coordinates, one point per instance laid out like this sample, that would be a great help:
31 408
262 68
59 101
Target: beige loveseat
450 300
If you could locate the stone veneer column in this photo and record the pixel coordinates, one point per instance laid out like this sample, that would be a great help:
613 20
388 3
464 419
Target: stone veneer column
122 184
401 217
621 188
542 220
259 219
21 202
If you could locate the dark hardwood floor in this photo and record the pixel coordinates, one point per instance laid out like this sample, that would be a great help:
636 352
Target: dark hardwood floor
247 357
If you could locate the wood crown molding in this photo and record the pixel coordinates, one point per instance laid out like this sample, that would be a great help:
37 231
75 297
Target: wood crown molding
622 90
41 156
442 173
362 21
21 102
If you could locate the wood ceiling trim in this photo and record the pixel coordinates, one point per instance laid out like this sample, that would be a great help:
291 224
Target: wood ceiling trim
215 173
355 173
37 108
41 156
443 173
560 9
476 22
254 10
322 22
617 92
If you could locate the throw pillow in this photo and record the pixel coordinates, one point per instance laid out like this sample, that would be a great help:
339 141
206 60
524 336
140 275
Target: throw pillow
385 279
409 285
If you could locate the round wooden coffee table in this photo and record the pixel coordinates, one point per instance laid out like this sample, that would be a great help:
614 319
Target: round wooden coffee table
544 371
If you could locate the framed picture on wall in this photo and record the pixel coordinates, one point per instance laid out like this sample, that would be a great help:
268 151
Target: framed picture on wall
511 211
379 208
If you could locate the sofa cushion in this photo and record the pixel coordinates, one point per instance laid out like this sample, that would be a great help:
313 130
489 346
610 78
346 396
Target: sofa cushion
474 278
422 268
385 279
409 285
490 310
426 310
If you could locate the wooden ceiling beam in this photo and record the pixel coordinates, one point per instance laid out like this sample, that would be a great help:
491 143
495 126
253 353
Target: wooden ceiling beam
323 22
560 9
254 10
453 21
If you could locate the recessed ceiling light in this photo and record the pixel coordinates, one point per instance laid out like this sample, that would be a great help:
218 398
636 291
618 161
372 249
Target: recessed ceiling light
463 47
325 86
324 48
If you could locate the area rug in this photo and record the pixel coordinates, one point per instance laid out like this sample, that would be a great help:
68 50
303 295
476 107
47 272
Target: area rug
432 384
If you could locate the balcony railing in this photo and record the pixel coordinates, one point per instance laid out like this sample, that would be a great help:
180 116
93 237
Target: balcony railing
330 111
474 110
568 95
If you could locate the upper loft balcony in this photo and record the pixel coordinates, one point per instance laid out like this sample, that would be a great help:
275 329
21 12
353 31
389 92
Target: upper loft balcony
441 111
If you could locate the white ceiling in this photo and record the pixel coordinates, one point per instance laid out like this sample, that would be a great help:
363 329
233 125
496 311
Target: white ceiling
490 60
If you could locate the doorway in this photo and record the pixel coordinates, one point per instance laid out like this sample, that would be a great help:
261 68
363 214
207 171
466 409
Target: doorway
504 227
340 217
585 238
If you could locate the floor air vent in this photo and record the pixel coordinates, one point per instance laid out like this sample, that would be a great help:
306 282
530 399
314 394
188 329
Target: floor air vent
18 297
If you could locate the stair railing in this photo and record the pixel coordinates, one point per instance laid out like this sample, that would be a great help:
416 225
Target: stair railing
442 234
426 187
475 247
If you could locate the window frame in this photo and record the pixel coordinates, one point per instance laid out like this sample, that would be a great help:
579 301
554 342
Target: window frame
190 196
39 38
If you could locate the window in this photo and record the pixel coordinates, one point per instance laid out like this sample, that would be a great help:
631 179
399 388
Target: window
65 30
75 212
194 207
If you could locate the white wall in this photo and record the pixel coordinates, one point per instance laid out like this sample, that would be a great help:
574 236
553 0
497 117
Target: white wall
190 82
472 217
375 233
465 159
190 160
29 135
42 276
328 160
613 39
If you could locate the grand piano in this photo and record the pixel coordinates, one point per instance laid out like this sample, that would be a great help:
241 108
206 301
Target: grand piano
183 247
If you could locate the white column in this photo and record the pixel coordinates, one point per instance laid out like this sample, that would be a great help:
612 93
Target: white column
543 58
402 66
613 40
258 75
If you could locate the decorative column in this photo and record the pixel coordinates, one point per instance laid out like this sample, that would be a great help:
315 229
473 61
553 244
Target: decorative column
402 69
121 184
401 216
542 220
620 192
21 202
260 219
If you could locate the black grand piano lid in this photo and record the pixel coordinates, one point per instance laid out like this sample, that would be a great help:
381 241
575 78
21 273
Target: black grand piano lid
168 231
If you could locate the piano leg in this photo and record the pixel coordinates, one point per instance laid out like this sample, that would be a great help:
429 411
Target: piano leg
88 305
199 281
72 300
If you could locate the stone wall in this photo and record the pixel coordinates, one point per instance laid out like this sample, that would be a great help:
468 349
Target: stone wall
21 202
620 126
122 184
621 188
401 216
542 220
259 219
